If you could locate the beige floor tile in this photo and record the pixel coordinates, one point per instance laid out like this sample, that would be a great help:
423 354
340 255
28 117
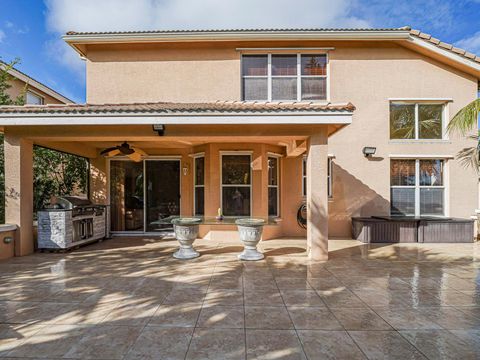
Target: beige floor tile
274 344
263 298
161 343
301 298
14 335
440 344
401 319
285 283
217 344
360 319
469 337
313 318
224 297
104 342
342 298
223 317
181 315
320 344
267 317
452 319
385 345
54 341
131 313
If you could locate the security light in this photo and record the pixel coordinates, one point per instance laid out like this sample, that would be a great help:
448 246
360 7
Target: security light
159 128
369 151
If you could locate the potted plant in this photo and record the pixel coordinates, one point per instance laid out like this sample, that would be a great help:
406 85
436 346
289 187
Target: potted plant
250 231
186 231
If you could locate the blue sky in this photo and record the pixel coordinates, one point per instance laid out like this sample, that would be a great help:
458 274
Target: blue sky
32 29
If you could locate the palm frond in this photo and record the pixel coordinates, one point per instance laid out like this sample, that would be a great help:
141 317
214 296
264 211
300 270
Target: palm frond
466 119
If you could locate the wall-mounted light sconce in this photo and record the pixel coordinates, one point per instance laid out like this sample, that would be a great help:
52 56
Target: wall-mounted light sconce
159 128
369 151
8 239
185 169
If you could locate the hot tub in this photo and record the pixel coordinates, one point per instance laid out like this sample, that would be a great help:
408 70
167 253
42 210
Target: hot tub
408 229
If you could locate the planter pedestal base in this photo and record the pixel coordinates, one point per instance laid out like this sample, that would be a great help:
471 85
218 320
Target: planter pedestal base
185 253
250 254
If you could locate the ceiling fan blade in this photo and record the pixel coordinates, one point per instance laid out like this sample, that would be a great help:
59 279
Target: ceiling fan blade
135 156
140 151
107 150
111 153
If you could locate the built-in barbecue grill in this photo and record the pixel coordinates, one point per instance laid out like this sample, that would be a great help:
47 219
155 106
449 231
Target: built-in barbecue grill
70 221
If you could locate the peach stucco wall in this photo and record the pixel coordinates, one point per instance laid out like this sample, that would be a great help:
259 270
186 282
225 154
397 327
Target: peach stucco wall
366 75
18 88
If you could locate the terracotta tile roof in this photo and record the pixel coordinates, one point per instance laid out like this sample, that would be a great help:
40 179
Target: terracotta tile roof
429 38
213 31
175 108
415 33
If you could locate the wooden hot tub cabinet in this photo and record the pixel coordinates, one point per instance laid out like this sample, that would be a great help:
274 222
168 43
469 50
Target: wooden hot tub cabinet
412 229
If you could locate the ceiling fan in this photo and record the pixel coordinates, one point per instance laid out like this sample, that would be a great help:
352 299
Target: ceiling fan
133 153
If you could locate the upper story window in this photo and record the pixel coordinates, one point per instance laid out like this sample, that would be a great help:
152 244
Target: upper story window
294 77
33 99
416 121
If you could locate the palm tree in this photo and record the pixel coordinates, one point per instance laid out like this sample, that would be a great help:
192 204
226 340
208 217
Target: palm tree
463 122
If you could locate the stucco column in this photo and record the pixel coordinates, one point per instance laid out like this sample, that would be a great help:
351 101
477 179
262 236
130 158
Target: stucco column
19 191
98 180
317 197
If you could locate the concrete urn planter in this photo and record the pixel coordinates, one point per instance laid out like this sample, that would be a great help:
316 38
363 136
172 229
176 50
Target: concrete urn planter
186 231
250 231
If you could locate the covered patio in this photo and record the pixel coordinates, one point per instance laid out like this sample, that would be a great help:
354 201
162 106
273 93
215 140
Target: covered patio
255 157
127 298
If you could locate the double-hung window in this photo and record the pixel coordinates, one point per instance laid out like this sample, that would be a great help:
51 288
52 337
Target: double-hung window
417 121
289 77
329 177
417 187
273 186
199 185
236 184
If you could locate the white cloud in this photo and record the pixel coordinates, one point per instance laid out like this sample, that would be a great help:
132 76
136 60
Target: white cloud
118 15
471 44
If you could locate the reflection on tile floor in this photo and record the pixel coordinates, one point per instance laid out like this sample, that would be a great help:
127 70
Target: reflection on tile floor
127 298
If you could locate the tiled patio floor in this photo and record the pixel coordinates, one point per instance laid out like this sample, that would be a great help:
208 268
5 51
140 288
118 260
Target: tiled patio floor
127 298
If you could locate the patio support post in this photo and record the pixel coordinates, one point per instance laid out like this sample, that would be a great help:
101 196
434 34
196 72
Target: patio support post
317 197
19 191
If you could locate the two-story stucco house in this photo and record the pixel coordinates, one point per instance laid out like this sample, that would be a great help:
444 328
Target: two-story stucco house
256 122
34 91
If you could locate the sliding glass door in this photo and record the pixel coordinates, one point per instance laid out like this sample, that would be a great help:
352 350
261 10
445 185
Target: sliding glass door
126 196
162 189
142 193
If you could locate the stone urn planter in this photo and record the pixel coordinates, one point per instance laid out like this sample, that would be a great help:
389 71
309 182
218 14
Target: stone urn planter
186 231
250 231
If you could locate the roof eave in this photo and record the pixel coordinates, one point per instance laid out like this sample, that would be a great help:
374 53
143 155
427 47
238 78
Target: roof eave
77 40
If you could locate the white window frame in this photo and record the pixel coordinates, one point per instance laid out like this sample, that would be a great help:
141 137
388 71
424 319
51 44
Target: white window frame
329 176
277 157
195 185
299 76
417 187
42 99
222 185
417 130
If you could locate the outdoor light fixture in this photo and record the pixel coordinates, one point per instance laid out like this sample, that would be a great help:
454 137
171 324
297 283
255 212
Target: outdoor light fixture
185 169
369 151
159 128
